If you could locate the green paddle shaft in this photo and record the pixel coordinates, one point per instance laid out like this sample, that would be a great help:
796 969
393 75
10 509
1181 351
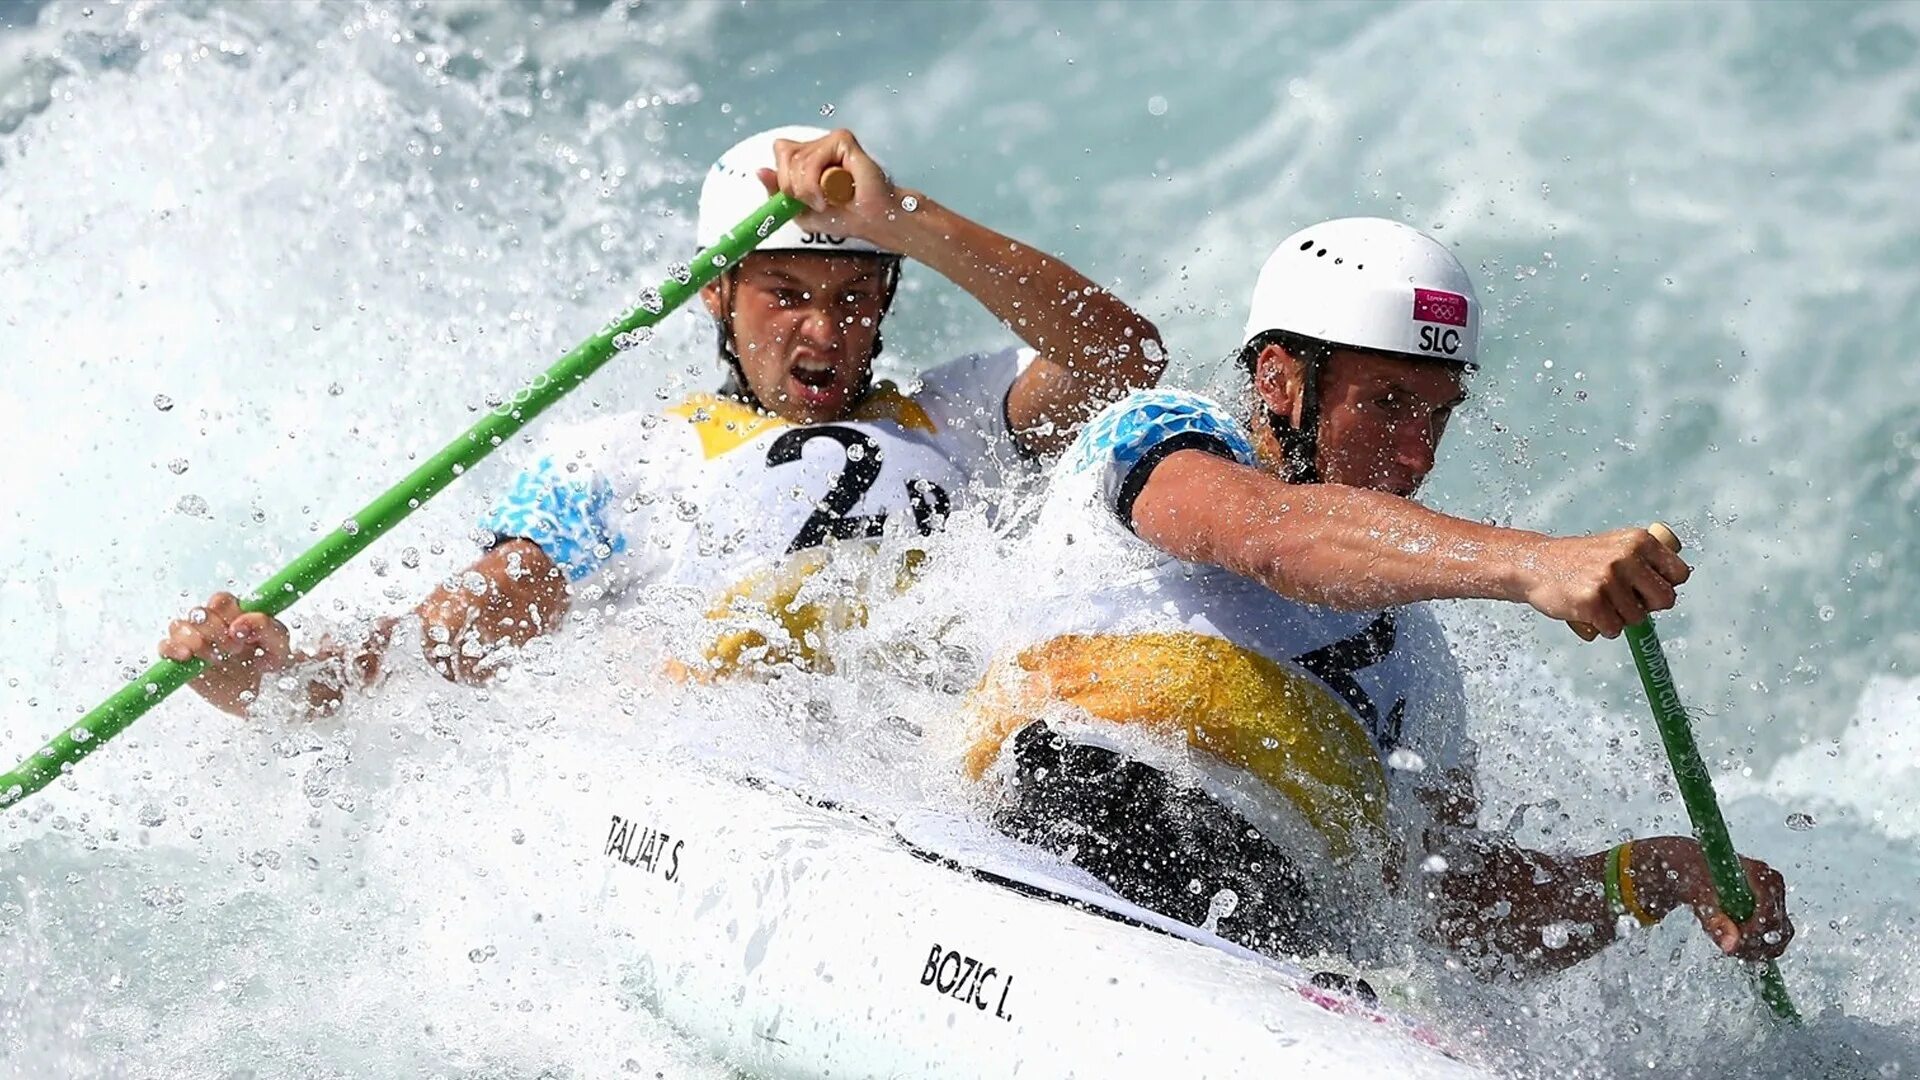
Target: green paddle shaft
1703 809
300 576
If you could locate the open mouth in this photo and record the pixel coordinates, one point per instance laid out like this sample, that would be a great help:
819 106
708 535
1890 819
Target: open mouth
815 382
817 377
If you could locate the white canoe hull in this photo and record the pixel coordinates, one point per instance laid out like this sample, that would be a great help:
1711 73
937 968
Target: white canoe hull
798 940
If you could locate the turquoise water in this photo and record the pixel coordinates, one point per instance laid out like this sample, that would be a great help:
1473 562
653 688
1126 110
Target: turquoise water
253 256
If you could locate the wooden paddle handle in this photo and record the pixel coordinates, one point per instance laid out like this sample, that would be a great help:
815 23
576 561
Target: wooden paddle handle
1668 539
837 185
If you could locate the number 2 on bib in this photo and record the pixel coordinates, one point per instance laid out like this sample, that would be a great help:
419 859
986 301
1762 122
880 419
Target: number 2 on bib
833 517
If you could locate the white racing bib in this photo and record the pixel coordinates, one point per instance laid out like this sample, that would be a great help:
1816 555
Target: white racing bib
1340 711
712 488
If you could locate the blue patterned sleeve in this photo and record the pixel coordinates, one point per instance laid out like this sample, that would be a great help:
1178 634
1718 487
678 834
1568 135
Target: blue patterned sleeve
567 514
1121 445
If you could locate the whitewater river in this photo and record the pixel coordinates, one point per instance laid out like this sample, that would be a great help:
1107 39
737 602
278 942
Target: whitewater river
258 258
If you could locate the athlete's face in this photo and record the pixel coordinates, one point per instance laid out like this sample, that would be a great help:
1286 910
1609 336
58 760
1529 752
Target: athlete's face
1381 417
804 327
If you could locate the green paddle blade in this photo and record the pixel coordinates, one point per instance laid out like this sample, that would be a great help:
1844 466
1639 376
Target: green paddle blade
392 507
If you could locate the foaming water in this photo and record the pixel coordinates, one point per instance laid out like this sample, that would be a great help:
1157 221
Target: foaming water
256 258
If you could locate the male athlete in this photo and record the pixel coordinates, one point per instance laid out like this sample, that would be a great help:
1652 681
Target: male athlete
1250 591
799 448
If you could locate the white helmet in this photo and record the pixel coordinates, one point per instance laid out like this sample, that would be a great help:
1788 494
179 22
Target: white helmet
1372 284
733 190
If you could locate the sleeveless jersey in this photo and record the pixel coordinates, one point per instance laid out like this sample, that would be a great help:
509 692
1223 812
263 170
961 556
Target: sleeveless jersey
1343 714
711 493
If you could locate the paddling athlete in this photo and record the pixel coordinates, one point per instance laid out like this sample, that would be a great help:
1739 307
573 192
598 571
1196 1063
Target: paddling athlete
799 448
1237 712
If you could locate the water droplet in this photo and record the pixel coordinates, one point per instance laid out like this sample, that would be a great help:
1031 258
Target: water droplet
410 558
192 506
1826 613
1157 105
152 816
1800 822
826 109
177 466
1220 905
335 389
909 203
163 402
481 955
350 527
1434 864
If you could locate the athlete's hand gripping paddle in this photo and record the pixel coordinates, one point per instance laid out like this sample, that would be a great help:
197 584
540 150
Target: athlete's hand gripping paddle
334 551
1696 789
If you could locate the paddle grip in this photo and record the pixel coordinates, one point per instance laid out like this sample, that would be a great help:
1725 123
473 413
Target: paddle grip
1668 539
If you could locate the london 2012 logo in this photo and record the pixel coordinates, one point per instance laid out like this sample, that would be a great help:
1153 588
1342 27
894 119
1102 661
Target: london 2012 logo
1447 309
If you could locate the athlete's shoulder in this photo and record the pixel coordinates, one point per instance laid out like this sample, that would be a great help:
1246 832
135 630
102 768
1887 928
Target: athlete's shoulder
717 425
975 375
1125 432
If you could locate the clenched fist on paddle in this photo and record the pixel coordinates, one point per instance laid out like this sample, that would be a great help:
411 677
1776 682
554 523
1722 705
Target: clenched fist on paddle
238 648
1603 583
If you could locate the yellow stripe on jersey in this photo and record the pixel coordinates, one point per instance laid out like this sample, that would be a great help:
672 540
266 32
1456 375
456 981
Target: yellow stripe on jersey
1239 706
725 425
765 623
772 619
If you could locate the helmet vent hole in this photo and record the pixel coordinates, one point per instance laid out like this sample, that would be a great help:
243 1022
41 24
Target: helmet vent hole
1321 254
1308 246
1338 261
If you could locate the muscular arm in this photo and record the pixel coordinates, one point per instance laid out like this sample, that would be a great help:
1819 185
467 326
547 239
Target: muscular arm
1340 547
513 594
509 596
1360 550
1092 348
1504 907
1497 901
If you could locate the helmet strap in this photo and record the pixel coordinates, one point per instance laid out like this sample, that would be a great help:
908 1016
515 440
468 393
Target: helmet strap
736 386
1299 444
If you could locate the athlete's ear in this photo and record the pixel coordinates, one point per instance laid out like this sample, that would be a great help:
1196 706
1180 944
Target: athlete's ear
1277 379
710 292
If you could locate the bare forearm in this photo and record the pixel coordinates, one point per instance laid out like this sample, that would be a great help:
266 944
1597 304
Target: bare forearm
1361 550
1340 547
1539 912
1099 347
512 595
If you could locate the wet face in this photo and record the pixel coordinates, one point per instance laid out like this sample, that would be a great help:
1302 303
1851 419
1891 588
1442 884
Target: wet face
1381 417
804 327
